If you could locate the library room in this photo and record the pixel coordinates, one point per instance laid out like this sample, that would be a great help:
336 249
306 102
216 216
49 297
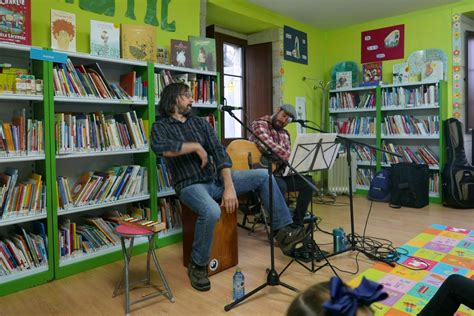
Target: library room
241 157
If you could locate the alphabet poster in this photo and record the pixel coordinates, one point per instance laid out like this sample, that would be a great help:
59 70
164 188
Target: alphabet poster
383 44
295 45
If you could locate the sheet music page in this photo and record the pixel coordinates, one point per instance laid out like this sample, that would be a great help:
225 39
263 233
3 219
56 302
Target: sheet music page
303 152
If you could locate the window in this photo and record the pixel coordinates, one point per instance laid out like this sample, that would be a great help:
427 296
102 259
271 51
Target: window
233 88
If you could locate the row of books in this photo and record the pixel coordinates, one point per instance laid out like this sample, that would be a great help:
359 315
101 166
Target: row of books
21 136
410 125
23 250
164 182
98 187
364 153
433 182
22 199
93 234
85 81
364 176
421 155
19 81
134 86
169 211
203 88
410 96
354 125
352 100
76 132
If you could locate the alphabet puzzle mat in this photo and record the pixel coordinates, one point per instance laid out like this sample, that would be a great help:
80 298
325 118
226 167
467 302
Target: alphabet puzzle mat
443 250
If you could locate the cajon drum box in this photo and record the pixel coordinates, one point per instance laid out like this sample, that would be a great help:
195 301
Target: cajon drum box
224 251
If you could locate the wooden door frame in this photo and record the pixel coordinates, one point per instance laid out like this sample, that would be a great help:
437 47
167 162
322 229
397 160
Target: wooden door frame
220 40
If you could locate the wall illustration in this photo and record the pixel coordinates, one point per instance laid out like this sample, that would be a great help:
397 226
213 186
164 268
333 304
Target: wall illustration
107 7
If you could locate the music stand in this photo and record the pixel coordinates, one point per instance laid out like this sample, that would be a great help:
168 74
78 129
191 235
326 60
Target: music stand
312 152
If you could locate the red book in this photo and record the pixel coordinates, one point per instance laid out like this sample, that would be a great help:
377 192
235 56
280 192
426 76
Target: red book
18 29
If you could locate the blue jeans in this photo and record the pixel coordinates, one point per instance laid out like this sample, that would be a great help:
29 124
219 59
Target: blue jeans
201 199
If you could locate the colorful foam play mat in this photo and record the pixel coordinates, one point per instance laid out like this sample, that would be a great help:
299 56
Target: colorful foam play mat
429 259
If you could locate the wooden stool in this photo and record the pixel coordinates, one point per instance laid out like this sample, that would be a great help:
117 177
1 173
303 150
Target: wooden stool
224 251
130 232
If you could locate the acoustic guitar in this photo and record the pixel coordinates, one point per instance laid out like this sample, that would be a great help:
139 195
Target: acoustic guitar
245 155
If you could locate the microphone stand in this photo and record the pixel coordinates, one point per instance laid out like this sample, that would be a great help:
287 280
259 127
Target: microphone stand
273 278
348 142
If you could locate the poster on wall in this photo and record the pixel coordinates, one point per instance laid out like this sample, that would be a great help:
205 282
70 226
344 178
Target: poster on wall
295 45
15 22
383 44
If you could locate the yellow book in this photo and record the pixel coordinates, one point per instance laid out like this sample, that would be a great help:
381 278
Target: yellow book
138 42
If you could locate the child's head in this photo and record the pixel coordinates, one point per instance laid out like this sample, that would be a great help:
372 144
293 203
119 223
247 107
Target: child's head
335 298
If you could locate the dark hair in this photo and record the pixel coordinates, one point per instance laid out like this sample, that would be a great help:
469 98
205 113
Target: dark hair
168 97
310 302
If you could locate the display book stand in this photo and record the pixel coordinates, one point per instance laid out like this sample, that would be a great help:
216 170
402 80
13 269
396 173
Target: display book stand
351 237
273 278
312 152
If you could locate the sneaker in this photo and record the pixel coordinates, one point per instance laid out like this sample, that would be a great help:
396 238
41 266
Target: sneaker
198 277
288 237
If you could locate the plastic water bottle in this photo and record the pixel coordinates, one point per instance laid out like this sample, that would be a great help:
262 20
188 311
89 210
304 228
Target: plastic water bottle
238 284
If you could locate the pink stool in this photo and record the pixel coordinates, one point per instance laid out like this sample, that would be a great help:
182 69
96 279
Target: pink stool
130 232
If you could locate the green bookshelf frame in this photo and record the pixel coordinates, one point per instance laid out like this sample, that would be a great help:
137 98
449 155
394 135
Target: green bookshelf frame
44 69
442 98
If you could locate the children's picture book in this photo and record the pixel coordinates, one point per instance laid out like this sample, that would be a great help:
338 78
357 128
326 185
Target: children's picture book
139 42
432 70
63 30
105 39
203 53
401 73
15 22
180 53
162 55
371 73
343 79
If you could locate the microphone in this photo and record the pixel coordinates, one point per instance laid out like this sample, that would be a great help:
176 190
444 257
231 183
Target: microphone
300 121
228 108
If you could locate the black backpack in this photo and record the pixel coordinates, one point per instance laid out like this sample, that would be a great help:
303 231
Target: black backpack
410 185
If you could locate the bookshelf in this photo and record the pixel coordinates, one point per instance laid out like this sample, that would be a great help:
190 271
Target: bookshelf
407 119
27 158
59 158
353 114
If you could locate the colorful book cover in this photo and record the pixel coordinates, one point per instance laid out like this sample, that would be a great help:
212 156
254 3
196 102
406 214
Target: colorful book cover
139 42
343 79
371 73
63 30
432 70
105 39
15 22
401 73
203 53
180 53
162 55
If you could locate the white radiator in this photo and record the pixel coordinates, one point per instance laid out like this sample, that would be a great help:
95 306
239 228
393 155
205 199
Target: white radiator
338 175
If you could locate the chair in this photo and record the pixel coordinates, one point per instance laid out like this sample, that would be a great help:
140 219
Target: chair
245 155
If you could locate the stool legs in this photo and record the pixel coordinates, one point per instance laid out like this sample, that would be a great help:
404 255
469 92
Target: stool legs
124 278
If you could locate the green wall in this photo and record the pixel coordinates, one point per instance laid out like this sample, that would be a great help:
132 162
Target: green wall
257 19
423 29
184 12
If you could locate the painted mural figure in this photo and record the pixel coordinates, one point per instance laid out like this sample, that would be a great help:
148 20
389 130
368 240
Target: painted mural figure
107 7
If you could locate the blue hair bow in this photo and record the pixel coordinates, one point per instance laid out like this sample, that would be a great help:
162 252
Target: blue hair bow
345 301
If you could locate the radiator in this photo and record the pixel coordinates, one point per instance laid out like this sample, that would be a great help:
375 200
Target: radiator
338 175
